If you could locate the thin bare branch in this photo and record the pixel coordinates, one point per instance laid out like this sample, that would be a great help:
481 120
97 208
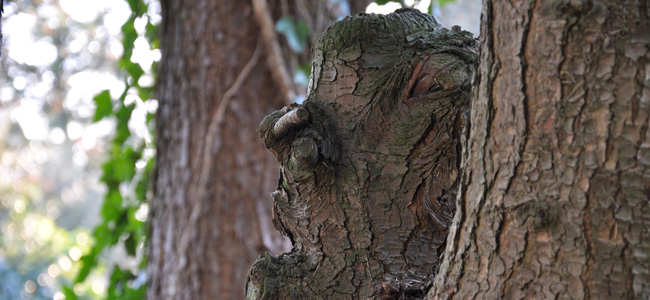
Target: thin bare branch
274 56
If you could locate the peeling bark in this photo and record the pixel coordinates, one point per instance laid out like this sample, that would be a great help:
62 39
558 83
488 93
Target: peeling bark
370 162
555 189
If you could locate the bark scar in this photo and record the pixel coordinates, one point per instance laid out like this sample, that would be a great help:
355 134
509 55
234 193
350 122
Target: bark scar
416 73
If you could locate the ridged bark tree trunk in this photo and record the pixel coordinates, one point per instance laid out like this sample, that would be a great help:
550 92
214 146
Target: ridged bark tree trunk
210 217
369 163
555 198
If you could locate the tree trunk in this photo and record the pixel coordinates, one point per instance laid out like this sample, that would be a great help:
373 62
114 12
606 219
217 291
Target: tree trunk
556 184
210 217
211 214
369 163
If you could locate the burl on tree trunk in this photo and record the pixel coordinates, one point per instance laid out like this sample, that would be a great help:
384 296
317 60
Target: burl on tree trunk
370 162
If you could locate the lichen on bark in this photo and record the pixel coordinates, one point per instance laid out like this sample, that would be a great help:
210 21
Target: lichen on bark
368 182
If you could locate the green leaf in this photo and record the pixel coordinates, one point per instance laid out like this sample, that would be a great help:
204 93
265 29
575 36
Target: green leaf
112 206
114 289
151 33
68 293
104 105
142 186
88 261
382 2
150 117
145 93
129 36
118 220
443 2
135 294
123 116
134 70
102 237
130 244
295 32
138 7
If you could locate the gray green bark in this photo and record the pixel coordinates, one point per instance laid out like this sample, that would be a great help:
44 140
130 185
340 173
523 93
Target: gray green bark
370 162
555 200
210 217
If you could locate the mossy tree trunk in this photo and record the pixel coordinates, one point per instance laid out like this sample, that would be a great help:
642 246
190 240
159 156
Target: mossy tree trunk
370 162
210 216
555 199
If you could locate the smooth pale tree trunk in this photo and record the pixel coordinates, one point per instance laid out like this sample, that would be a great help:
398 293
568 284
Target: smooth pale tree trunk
555 196
369 163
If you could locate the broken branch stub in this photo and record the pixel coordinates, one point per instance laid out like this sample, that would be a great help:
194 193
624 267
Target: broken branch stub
294 117
369 162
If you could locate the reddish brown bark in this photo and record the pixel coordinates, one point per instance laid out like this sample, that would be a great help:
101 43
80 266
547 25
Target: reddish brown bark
210 214
555 200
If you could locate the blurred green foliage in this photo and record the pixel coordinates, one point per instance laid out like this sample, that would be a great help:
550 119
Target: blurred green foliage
296 32
127 184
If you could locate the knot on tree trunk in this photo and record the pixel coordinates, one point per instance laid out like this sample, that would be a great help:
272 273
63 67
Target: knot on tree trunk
370 162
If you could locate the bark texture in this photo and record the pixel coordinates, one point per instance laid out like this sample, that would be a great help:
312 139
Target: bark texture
555 198
209 217
369 163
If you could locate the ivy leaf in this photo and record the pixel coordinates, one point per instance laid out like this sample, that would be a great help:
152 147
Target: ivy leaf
124 165
138 7
102 235
443 2
68 293
134 70
145 92
112 206
138 293
123 116
151 33
130 244
295 32
88 261
129 36
143 185
382 2
104 105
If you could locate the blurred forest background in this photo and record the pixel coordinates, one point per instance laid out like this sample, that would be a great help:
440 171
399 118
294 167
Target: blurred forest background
76 140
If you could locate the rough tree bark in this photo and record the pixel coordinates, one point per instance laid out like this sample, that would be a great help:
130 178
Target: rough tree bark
2 9
555 200
210 217
369 163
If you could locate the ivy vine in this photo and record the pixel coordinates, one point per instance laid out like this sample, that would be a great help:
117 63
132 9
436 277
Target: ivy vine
126 173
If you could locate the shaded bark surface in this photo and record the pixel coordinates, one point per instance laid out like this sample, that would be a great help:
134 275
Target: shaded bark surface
369 163
555 200
209 217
